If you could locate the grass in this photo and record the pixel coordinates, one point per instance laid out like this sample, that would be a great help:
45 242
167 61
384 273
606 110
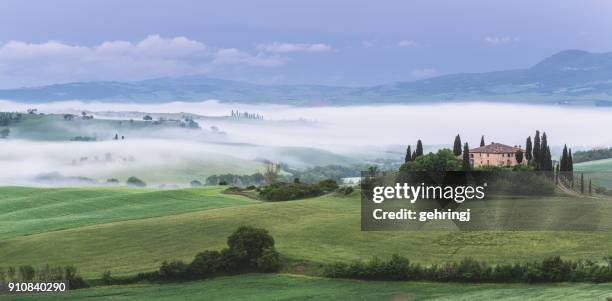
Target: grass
286 287
27 211
319 230
600 171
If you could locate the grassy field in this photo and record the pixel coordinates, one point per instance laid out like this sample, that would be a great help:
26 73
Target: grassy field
286 287
27 211
145 227
600 171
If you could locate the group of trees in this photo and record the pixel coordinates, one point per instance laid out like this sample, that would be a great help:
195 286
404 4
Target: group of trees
248 250
27 273
236 180
247 115
591 155
282 191
412 155
7 118
552 269
537 152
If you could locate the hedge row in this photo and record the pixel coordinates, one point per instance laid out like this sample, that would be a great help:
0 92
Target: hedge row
552 269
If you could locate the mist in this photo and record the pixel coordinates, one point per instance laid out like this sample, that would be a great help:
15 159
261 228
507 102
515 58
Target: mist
299 136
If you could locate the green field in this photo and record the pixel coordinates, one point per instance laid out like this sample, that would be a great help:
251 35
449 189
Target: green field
287 287
138 229
600 171
27 211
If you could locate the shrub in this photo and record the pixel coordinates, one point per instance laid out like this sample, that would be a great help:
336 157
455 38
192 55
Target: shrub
269 261
251 242
112 181
136 182
173 270
223 183
195 183
205 264
74 280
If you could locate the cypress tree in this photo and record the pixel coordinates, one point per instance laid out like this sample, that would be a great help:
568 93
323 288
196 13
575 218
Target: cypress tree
564 160
537 151
457 146
414 155
590 187
408 155
547 163
570 165
528 149
466 157
419 148
543 150
519 156
582 183
482 143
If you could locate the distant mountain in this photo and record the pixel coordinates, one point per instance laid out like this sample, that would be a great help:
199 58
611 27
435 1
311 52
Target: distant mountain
569 77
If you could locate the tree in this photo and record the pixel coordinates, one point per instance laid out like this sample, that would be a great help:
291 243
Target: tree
116 136
195 183
147 118
250 243
419 149
563 162
134 181
536 151
271 172
547 164
528 149
457 146
408 157
570 161
519 156
590 187
443 160
543 149
582 183
466 157
482 142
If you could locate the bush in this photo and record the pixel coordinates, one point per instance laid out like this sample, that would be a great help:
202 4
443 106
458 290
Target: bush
195 183
74 280
135 182
269 261
282 191
250 250
222 183
250 242
174 270
112 181
206 264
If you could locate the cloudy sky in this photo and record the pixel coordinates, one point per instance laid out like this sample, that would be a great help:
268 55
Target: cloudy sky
338 42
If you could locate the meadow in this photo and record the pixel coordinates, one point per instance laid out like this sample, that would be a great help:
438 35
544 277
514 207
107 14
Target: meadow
128 231
600 171
294 287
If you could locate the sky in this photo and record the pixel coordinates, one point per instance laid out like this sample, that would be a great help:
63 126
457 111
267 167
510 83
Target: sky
341 42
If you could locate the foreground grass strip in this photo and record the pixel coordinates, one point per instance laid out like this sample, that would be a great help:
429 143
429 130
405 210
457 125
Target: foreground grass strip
259 287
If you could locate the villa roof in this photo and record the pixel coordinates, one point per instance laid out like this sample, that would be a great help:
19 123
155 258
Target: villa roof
495 148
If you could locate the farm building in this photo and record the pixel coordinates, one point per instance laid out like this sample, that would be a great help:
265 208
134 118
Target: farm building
494 154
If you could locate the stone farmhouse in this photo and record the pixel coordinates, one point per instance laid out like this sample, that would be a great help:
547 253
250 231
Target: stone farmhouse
495 154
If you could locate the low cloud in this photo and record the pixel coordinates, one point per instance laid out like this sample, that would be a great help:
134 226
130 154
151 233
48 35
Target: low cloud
406 43
25 64
293 47
494 40
424 73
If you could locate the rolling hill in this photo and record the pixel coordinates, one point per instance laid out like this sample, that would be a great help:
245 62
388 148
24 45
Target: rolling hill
129 231
568 77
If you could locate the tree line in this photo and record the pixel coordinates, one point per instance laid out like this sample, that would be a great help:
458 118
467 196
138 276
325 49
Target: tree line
536 152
